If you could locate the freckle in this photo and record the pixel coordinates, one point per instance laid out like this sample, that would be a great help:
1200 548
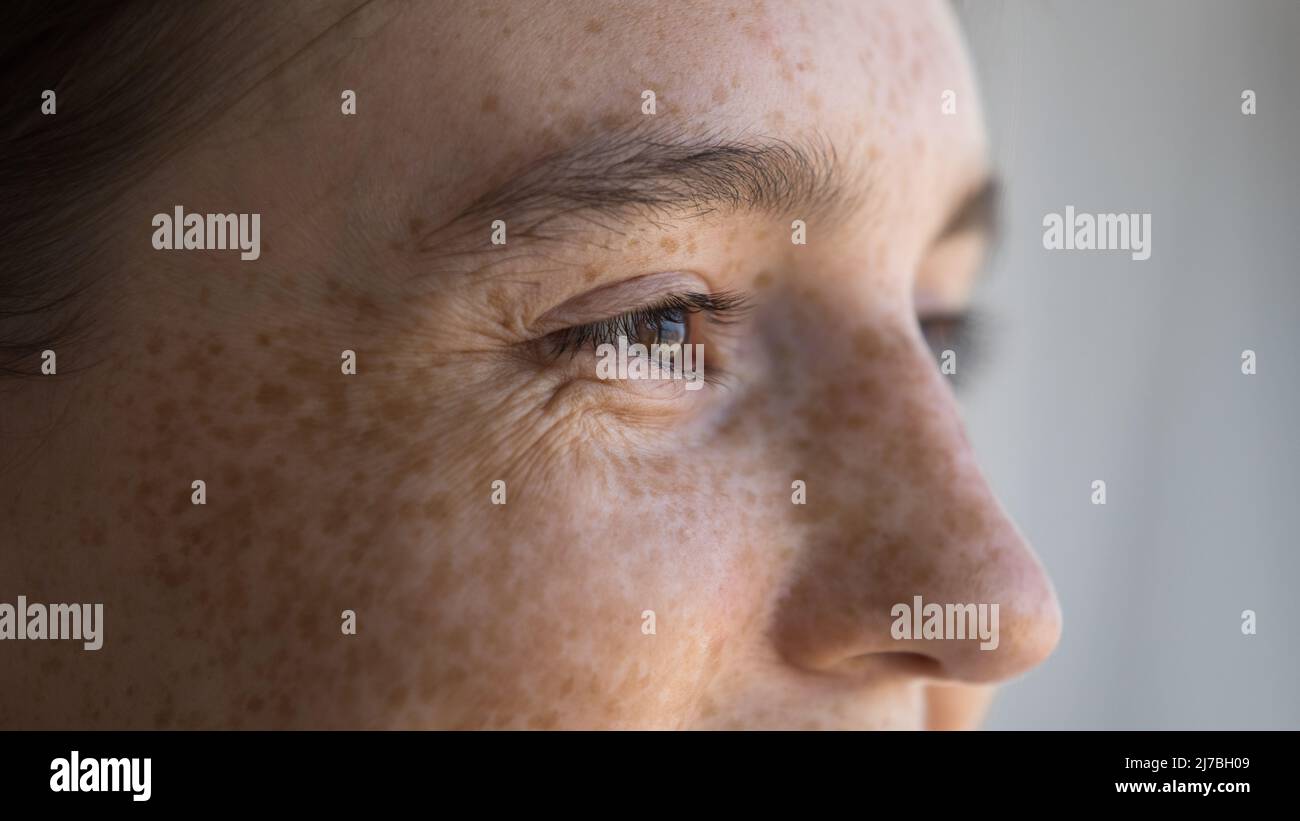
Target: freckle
52 665
171 575
763 279
264 340
720 94
490 103
545 721
397 697
204 293
497 298
668 244
216 348
407 511
590 273
436 507
166 411
716 649
232 476
276 397
398 409
337 519
249 435
814 102
566 84
594 26
415 226
155 345
288 540
777 118
367 310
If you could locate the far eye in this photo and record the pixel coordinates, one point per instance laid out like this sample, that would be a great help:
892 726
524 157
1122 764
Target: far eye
946 331
970 334
669 327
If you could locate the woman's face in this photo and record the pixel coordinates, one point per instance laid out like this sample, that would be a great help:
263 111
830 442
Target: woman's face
374 492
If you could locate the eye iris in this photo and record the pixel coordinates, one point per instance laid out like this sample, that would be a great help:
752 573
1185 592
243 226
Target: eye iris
669 329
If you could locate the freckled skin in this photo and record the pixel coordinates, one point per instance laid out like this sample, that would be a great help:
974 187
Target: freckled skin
372 492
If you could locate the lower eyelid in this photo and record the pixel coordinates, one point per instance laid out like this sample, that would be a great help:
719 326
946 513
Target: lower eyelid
574 352
656 398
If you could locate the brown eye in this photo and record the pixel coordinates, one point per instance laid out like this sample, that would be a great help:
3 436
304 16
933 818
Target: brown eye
668 328
667 323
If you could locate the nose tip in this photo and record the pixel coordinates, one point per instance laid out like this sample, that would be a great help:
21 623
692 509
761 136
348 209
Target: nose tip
915 524
1025 621
947 590
994 614
978 615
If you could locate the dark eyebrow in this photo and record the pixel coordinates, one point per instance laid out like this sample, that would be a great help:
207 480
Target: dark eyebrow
661 173
978 212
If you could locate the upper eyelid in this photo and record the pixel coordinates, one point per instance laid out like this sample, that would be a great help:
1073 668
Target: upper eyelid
720 306
616 298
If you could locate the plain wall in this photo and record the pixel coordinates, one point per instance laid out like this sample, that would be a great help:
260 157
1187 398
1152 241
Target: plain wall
1102 367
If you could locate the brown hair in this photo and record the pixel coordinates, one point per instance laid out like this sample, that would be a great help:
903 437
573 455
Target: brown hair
132 81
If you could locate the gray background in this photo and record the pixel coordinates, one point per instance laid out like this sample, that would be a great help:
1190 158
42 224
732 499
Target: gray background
1100 367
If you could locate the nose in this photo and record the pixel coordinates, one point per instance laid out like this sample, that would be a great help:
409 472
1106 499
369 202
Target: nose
908 562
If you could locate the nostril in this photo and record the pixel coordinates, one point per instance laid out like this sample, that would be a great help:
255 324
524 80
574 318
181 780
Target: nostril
889 664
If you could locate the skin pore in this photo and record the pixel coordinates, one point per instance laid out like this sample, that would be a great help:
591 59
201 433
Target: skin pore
372 492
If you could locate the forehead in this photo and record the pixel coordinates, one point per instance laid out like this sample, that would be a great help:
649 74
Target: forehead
453 98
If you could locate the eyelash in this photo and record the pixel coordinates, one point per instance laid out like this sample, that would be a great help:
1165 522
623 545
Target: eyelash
965 332
721 308
969 334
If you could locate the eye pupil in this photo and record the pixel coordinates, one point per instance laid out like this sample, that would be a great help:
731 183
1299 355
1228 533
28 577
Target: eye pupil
672 330
669 329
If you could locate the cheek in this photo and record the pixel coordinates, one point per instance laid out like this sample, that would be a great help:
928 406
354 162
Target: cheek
305 515
612 597
322 494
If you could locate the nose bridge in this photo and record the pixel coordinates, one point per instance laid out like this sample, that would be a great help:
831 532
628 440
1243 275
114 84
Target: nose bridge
897 509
